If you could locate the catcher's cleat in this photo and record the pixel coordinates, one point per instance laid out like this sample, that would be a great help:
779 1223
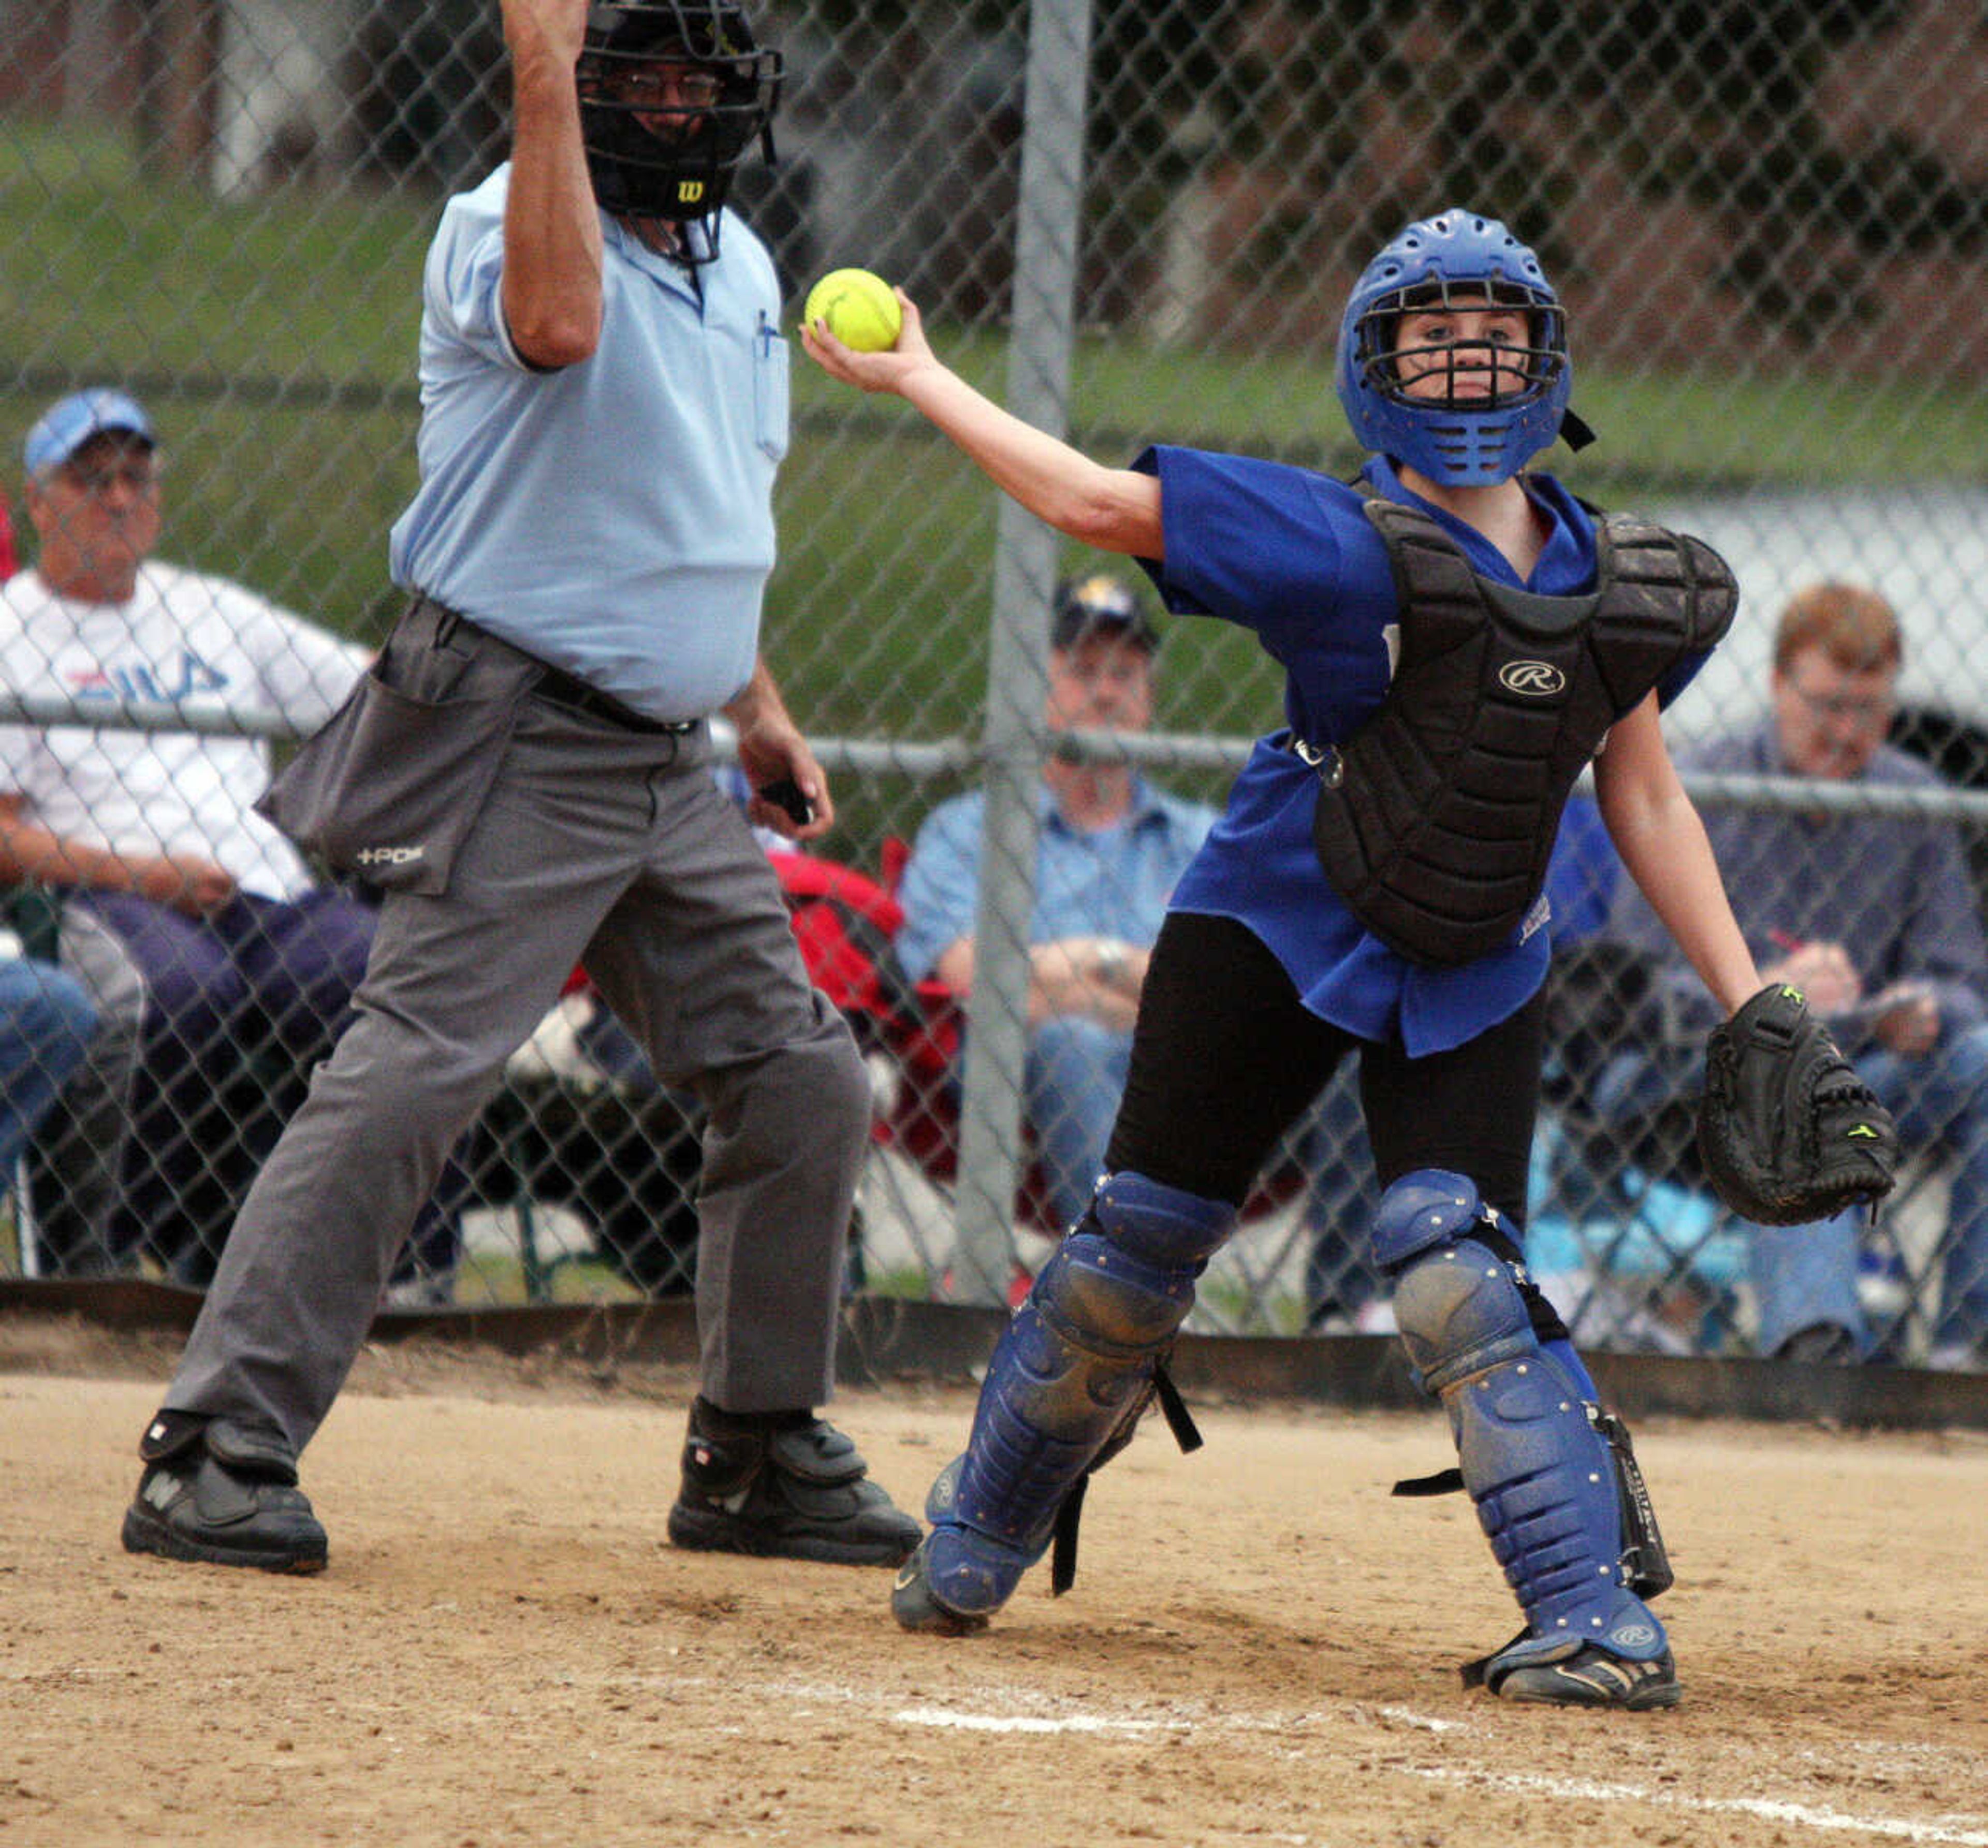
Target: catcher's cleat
216 1493
783 1485
914 1606
1580 1674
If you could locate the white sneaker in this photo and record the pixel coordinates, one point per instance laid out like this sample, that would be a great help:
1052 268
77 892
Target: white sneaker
1376 1318
423 1292
1953 1357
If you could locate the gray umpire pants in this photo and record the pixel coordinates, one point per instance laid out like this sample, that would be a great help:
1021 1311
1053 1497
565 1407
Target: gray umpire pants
594 841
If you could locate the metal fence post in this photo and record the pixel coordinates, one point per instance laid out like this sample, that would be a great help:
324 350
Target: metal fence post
1039 360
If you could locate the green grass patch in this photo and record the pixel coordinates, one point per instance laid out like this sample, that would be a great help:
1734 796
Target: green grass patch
275 339
486 1279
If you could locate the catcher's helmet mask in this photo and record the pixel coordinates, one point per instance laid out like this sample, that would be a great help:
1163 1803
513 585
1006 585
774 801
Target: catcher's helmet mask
1533 362
1466 260
682 176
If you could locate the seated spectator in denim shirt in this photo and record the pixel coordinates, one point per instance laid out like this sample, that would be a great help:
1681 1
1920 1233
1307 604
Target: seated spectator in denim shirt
1111 848
45 1023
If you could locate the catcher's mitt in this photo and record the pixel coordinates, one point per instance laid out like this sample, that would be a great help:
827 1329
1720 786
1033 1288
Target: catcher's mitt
1788 1130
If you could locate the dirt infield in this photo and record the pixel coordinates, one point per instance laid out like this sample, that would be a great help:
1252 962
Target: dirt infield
1260 1649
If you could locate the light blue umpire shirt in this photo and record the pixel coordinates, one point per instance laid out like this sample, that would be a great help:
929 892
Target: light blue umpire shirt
613 518
1110 882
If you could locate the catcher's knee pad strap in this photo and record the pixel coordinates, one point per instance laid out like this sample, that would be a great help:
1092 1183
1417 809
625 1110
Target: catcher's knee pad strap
1551 1500
1078 1358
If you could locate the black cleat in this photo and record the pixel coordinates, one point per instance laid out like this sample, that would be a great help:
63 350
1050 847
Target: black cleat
1591 1678
916 1606
214 1492
783 1485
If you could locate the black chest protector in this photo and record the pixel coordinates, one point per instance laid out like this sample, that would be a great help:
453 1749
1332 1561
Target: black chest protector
1436 820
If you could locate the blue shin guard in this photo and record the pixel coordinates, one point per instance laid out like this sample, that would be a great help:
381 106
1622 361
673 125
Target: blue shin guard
1556 1486
1071 1372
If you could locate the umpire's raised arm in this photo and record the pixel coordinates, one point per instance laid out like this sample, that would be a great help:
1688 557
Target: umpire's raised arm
551 288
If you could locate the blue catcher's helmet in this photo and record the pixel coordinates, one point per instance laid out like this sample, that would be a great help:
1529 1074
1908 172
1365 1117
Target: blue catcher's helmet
1461 441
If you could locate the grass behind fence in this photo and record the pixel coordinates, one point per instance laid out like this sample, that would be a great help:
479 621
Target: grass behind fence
275 339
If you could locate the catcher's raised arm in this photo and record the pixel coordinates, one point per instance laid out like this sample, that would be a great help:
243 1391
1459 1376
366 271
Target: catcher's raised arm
1789 1131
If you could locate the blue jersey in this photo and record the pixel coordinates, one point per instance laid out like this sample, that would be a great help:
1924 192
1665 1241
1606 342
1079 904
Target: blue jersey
614 517
1290 555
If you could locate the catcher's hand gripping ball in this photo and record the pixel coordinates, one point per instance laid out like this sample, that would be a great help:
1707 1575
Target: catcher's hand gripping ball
860 309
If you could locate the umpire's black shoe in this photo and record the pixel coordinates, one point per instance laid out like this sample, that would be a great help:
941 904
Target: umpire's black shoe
217 1491
786 1485
1589 1677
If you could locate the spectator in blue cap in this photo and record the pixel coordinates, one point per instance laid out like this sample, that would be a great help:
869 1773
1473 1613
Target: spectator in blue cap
195 927
71 423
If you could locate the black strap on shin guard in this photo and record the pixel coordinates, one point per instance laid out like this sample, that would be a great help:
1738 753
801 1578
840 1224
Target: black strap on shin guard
1063 1552
1173 1408
1069 1516
1646 1561
1444 1482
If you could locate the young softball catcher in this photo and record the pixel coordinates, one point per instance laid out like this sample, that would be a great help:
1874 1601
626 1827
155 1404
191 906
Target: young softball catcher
1459 640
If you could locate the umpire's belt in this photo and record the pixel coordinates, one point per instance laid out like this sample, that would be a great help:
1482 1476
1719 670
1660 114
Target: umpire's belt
568 690
554 684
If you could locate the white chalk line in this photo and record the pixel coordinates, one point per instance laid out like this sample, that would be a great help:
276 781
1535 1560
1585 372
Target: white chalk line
1807 1815
1804 1815
944 1717
1196 1717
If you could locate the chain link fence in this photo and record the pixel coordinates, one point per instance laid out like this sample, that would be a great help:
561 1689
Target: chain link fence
1132 222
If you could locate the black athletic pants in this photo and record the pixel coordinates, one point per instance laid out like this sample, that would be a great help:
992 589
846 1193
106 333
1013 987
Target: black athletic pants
1225 1057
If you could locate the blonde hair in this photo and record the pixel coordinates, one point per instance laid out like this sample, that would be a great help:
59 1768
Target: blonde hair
1855 627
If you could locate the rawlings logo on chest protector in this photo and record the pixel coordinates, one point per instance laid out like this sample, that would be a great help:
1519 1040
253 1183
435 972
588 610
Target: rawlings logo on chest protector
1437 832
1532 679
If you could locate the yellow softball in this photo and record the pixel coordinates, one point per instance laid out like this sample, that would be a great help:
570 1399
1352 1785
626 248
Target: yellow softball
859 308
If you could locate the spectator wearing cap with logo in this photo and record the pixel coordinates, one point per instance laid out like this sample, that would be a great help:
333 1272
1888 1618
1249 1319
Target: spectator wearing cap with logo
1110 846
195 926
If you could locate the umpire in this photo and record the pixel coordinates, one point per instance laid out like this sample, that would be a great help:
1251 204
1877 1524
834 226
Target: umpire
525 774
